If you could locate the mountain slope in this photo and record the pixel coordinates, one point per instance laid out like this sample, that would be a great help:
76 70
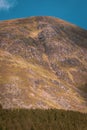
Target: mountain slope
43 64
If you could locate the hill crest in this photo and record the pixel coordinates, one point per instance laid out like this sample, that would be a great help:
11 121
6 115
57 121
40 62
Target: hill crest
43 57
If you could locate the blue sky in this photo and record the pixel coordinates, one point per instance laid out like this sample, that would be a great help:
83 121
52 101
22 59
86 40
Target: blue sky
74 11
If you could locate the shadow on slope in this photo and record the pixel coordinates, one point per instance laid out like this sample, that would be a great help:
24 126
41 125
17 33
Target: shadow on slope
83 93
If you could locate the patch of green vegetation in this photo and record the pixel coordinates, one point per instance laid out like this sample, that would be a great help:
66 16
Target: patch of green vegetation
38 119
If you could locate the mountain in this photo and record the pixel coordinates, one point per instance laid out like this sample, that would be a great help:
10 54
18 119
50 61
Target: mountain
43 64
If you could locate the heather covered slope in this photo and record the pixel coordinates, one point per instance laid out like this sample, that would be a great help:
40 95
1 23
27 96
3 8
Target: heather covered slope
43 64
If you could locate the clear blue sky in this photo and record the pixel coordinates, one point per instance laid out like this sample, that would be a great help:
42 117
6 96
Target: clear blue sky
74 11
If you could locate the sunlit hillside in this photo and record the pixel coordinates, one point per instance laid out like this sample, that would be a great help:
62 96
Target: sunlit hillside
43 64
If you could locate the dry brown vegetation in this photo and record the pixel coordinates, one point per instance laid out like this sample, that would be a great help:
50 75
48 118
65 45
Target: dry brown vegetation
43 64
52 119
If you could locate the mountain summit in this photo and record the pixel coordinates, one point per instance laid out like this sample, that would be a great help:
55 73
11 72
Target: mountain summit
43 64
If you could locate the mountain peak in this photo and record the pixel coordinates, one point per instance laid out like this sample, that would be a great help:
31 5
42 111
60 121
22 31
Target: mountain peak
43 64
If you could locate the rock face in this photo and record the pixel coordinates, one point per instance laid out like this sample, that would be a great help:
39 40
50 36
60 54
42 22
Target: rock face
43 64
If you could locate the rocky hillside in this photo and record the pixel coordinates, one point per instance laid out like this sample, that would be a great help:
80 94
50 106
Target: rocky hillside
43 64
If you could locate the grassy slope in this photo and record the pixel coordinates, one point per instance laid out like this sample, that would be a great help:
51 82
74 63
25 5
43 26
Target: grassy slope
42 120
23 88
43 63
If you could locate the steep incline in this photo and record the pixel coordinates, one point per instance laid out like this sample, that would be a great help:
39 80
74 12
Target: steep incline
43 64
